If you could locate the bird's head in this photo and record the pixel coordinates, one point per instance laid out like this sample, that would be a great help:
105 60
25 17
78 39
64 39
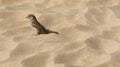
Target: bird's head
31 17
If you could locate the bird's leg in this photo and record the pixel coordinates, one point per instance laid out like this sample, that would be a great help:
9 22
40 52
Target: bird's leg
35 34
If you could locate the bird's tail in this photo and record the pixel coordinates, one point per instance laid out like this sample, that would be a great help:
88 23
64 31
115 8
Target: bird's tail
53 32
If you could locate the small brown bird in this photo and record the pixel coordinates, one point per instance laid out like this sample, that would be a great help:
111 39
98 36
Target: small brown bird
39 27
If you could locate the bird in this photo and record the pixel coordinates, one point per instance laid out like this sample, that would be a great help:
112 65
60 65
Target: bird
38 26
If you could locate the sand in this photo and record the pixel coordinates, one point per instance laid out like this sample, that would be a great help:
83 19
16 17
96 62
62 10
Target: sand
89 33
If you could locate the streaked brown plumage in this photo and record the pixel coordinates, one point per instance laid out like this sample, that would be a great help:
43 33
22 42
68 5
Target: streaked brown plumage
39 27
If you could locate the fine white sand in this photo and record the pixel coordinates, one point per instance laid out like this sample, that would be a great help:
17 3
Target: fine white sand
89 33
